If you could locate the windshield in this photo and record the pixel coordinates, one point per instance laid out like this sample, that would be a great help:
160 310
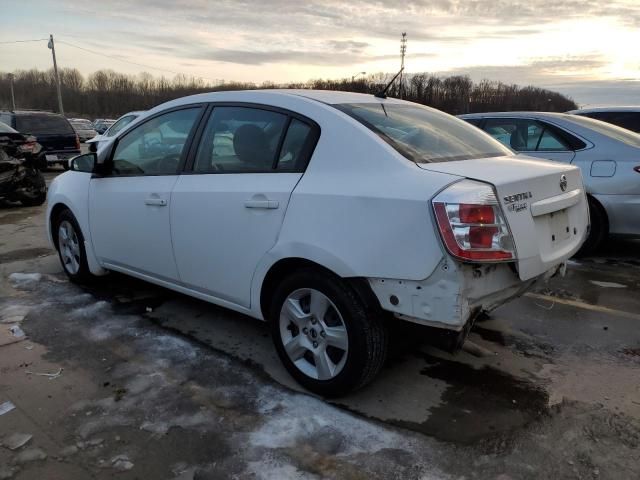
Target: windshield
425 135
119 125
4 128
42 124
617 133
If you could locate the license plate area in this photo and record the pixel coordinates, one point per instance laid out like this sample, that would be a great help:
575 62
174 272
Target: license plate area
559 226
51 158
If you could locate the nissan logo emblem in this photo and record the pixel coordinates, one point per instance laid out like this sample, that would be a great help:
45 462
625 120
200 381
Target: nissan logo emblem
563 182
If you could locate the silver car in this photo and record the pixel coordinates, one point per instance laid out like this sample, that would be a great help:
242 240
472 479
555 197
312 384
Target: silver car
84 128
119 124
609 157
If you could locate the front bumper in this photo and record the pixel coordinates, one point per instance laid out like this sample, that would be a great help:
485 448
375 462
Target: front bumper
454 293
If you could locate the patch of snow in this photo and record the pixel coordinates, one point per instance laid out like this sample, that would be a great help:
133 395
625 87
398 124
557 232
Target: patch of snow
22 279
607 284
16 440
89 310
271 469
14 313
290 418
6 407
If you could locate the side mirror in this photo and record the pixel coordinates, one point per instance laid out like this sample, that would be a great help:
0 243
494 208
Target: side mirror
84 163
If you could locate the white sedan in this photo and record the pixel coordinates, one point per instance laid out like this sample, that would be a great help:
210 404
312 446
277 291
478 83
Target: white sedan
609 157
327 214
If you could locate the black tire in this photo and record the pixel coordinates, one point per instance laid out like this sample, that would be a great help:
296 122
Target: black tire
35 201
599 229
83 275
364 323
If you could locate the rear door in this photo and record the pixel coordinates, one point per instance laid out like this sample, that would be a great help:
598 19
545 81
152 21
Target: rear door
227 213
533 137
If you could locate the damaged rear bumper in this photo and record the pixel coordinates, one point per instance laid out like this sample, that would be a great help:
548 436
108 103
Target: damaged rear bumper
455 293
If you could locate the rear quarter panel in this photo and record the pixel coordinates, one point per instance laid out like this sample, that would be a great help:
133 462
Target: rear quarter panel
361 209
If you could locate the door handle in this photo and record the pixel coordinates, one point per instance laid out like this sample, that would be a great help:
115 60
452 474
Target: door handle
158 202
267 204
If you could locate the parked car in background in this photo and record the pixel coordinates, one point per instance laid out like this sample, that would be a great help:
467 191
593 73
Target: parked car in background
625 117
20 176
119 124
324 213
58 139
609 157
102 125
84 128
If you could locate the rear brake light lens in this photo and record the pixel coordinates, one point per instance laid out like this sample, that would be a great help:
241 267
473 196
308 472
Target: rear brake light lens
472 224
77 142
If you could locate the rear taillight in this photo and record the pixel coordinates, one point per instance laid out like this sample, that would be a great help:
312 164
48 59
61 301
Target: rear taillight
77 142
29 145
471 223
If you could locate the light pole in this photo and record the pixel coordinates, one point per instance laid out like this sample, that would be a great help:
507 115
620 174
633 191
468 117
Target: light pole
13 98
353 77
52 47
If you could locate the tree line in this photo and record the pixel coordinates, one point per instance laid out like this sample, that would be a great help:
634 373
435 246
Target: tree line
106 93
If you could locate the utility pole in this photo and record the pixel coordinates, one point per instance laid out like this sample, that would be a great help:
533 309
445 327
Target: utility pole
403 50
55 71
13 98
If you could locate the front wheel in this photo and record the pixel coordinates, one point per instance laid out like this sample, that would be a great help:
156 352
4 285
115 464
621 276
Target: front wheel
70 244
327 337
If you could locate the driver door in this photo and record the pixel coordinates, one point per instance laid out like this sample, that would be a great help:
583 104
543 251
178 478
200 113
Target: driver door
129 208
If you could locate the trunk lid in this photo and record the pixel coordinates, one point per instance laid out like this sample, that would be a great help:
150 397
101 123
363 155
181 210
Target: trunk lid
548 222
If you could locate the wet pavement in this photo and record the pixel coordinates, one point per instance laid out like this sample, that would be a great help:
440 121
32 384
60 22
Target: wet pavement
155 384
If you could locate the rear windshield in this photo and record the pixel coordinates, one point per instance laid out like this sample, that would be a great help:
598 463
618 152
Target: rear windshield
617 133
425 135
42 124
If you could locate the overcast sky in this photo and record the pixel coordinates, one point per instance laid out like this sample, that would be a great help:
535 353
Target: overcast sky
586 49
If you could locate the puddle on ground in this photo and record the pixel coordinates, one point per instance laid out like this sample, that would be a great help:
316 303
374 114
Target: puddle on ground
524 346
479 403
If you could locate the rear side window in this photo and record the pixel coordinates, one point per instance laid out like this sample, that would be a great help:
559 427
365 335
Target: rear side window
43 124
296 146
240 139
424 135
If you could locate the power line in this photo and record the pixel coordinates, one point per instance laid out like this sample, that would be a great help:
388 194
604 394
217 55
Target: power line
130 62
25 41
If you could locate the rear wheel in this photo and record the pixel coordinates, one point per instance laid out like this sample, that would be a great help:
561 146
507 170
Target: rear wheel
70 244
329 340
34 200
599 229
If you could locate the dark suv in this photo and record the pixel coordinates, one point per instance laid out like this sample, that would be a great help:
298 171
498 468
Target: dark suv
54 132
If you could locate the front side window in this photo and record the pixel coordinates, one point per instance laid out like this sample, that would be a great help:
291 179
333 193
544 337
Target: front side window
119 125
525 135
240 139
156 146
424 135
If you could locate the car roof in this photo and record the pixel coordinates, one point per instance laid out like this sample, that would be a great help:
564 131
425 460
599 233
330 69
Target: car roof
606 109
324 96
